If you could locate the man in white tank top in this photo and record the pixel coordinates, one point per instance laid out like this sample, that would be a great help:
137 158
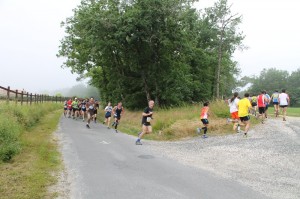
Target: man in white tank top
284 101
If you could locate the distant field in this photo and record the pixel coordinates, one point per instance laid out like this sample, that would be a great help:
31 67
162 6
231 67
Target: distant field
291 111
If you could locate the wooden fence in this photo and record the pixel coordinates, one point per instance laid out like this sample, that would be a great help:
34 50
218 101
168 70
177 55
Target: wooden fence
23 97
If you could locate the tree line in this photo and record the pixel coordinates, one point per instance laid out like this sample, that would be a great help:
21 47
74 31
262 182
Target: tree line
166 50
274 79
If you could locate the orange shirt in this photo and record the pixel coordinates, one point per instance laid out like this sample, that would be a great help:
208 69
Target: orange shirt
204 112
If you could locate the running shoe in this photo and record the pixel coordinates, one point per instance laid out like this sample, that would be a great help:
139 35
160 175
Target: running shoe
108 127
116 131
87 126
138 142
245 135
204 136
228 120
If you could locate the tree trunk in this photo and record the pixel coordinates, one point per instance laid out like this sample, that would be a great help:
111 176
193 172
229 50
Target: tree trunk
146 88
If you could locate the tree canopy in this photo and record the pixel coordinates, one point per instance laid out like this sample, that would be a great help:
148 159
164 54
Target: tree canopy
166 50
273 79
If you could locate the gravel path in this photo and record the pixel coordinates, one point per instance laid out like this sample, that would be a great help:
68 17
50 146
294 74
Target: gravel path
268 160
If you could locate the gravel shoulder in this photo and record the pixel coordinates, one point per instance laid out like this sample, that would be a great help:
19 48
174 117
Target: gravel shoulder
268 160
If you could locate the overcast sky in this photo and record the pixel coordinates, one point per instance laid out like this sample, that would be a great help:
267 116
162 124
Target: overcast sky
30 33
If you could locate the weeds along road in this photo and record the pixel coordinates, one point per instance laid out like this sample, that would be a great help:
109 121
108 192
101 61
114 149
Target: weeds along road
103 164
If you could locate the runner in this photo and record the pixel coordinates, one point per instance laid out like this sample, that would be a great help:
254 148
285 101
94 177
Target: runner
233 108
284 101
274 99
108 110
261 103
117 112
146 122
75 108
83 109
65 108
69 103
254 105
204 119
243 112
90 111
96 110
267 103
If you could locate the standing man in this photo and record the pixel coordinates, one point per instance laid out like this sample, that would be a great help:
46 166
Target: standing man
117 112
284 101
90 111
274 99
243 112
146 122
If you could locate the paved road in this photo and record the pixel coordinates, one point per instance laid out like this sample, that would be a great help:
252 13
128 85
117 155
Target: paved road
104 164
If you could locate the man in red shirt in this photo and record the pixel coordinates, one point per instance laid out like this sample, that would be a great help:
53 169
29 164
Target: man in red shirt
261 103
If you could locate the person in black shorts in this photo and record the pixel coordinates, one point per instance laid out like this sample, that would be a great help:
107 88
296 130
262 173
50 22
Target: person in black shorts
96 110
117 112
146 122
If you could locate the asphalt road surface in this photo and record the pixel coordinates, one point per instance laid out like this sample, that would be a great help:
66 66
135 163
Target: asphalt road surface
103 164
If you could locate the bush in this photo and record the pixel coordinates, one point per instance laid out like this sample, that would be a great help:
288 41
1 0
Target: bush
14 120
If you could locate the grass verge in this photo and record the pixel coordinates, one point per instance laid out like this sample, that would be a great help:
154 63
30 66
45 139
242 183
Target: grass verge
29 173
179 123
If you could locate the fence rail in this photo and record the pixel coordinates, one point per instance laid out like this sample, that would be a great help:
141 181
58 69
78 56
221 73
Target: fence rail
8 95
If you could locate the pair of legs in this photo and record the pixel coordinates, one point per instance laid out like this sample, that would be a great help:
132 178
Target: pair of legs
261 111
205 124
235 120
89 118
266 111
83 113
107 121
276 109
246 121
284 108
116 122
146 129
65 112
69 112
75 113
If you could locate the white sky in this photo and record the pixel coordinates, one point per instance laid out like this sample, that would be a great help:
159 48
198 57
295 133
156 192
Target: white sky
30 33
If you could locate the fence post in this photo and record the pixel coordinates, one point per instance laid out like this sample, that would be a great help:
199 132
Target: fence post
30 98
35 98
16 98
8 90
56 99
22 98
27 98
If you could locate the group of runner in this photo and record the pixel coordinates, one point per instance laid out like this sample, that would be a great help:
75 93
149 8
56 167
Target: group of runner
240 109
87 109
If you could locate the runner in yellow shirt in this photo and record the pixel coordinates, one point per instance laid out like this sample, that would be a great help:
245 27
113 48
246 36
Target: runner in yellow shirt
244 105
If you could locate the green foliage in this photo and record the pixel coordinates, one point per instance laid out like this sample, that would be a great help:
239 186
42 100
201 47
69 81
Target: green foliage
15 119
273 79
134 51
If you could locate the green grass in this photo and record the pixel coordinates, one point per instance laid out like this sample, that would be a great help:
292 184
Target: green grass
30 173
291 111
178 123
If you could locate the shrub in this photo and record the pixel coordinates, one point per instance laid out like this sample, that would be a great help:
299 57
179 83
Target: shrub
15 119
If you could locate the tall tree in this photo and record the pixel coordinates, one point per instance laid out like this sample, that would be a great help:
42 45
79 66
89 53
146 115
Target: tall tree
227 39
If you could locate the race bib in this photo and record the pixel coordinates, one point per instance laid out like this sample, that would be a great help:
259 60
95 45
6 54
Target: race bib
149 119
